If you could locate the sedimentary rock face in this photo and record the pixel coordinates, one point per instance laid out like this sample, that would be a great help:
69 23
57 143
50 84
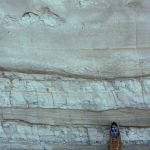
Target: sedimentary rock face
68 68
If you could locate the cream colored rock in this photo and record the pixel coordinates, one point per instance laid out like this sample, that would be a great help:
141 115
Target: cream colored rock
55 135
68 68
72 106
100 39
50 91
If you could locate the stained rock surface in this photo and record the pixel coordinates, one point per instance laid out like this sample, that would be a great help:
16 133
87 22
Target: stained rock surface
68 68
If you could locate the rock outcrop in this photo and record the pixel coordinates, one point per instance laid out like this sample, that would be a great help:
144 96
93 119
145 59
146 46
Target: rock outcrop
68 68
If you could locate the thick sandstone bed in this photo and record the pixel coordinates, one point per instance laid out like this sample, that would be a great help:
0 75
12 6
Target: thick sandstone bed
68 68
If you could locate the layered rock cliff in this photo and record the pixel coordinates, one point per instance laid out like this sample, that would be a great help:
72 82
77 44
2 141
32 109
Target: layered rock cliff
68 68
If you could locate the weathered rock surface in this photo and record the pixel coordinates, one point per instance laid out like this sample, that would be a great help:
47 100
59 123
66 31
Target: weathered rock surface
52 91
55 112
68 68
100 39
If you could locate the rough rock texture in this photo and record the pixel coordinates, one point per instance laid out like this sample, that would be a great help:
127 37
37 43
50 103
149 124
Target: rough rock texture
68 68
55 112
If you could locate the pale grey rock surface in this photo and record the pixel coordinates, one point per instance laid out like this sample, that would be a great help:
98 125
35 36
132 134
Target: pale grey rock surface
55 112
51 91
68 68
102 39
